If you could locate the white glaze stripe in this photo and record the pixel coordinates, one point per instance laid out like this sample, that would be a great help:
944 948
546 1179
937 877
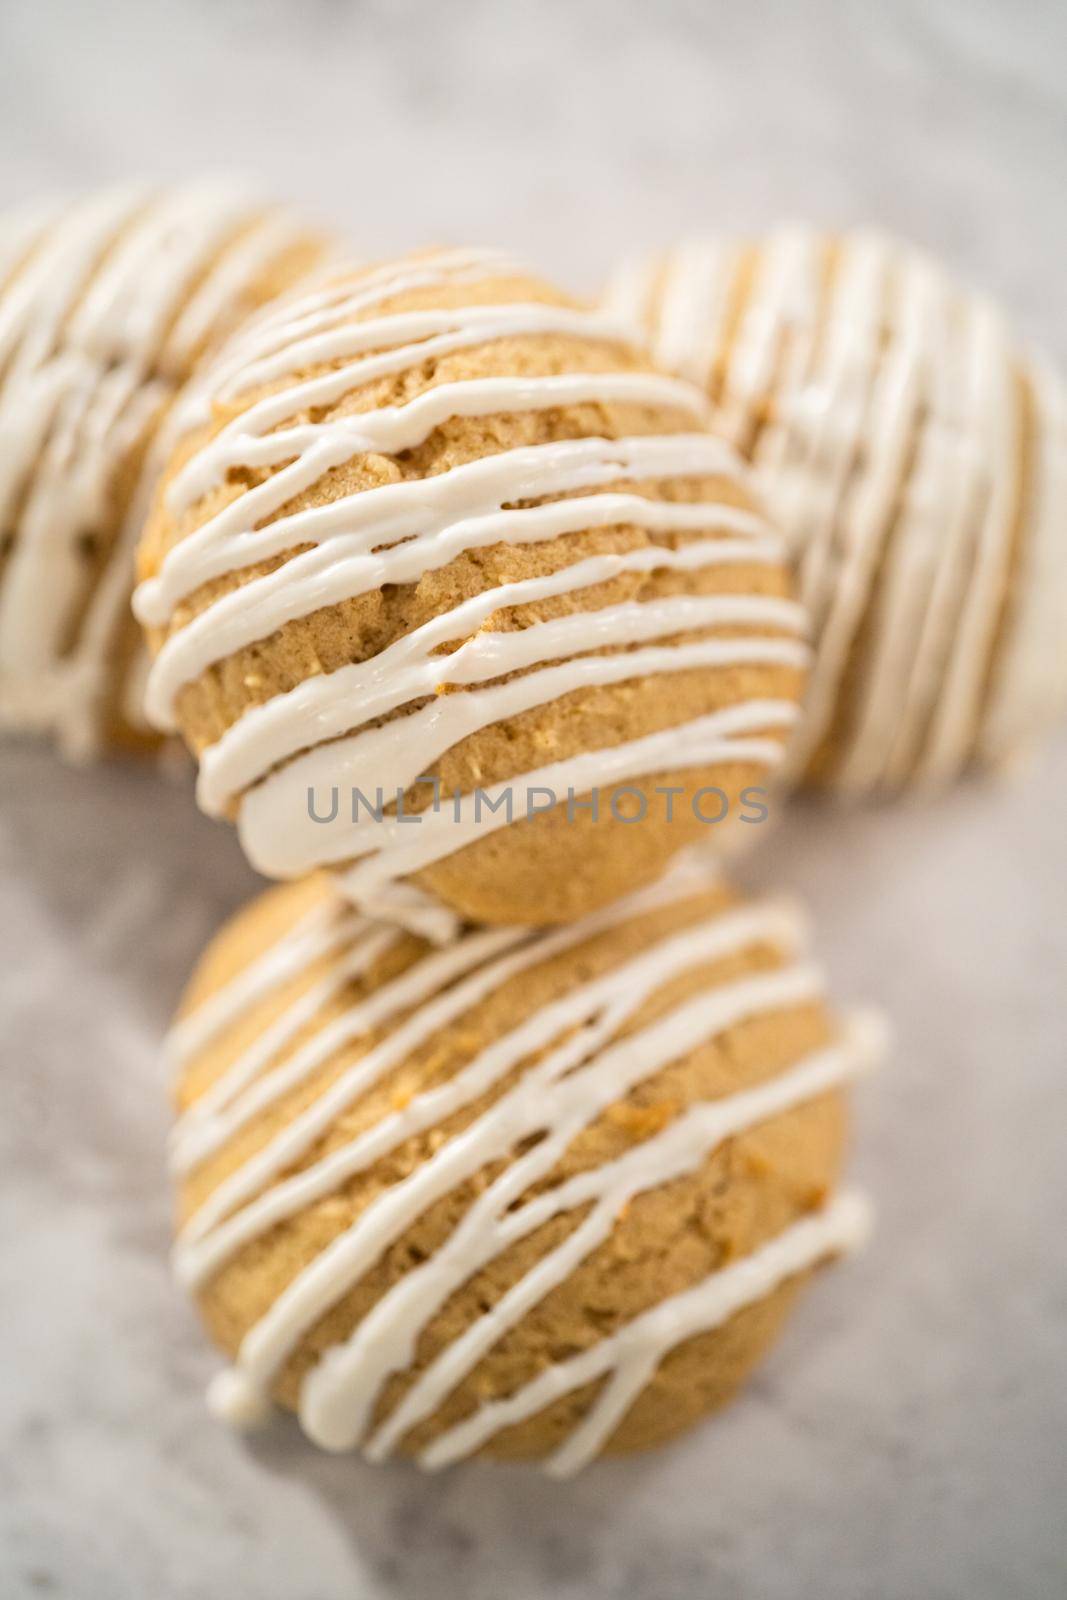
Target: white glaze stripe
954 723
398 533
695 304
315 935
256 438
1030 688
339 1394
629 295
319 447
781 442
282 836
427 509
98 324
840 565
209 1222
243 1089
565 1091
583 1067
908 613
46 398
263 350
826 420
778 298
394 534
890 454
742 733
201 1129
634 1353
211 1235
20 234
208 312
332 704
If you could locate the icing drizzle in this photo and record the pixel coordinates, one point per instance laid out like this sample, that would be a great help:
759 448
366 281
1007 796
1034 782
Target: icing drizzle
104 308
328 727
880 405
585 1061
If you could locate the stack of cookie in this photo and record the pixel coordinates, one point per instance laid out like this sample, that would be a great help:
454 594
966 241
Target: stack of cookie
504 1126
501 1133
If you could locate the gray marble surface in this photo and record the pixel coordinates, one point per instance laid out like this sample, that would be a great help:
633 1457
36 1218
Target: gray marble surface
907 1439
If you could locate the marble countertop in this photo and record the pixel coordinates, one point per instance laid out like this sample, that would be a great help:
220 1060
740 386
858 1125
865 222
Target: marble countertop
906 1439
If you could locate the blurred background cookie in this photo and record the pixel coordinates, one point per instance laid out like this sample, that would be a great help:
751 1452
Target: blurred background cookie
106 306
916 459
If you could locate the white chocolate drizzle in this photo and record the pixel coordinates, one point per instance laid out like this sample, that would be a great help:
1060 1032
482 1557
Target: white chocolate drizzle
314 936
1030 690
632 1355
329 728
881 404
584 1059
104 308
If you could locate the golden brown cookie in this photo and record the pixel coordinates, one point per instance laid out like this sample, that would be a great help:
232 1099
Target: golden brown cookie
529 1195
106 307
916 461
450 550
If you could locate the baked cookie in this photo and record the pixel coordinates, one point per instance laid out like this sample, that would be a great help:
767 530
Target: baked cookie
450 551
917 463
540 1195
106 306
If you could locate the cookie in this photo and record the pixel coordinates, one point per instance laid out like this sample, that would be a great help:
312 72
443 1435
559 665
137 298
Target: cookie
916 460
528 1195
106 307
453 588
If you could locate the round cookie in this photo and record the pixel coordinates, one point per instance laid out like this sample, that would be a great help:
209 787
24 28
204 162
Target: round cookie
106 307
530 1195
916 461
450 550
